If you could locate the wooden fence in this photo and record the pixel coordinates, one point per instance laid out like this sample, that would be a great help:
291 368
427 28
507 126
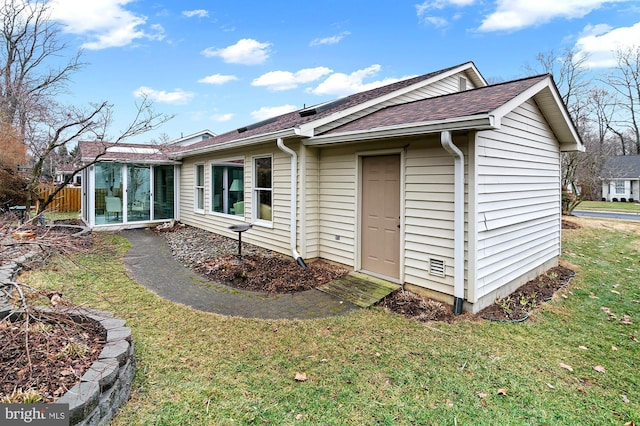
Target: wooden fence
67 200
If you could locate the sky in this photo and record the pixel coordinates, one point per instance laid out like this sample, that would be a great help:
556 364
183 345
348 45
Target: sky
221 65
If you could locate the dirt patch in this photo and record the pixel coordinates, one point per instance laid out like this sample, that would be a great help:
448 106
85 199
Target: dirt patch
416 307
567 224
273 274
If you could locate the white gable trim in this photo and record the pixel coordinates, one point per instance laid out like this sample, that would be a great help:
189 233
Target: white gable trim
552 107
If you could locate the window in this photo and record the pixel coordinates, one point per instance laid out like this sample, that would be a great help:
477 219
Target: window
620 187
198 204
227 187
262 188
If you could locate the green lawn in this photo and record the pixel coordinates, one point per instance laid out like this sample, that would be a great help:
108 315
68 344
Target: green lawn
374 367
609 206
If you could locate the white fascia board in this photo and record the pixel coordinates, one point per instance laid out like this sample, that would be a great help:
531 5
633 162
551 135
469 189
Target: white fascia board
482 122
237 143
308 129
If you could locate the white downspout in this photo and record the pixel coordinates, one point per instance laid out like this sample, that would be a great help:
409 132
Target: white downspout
294 196
458 224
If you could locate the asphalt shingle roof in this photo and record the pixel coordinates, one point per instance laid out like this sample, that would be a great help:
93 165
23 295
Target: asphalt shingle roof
295 118
622 167
461 104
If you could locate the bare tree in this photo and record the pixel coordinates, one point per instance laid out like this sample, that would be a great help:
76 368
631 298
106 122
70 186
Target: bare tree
30 84
74 124
569 73
625 81
29 46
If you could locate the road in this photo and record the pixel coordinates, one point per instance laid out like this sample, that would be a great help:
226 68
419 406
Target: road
607 215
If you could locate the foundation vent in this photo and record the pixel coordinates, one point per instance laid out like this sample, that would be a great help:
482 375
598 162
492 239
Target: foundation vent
436 267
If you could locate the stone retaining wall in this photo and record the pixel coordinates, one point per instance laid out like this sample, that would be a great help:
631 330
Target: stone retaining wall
107 384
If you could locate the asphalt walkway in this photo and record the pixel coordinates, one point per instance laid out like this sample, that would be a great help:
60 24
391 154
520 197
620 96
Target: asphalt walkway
151 264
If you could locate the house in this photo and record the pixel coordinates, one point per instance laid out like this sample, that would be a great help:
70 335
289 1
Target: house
440 182
63 171
621 178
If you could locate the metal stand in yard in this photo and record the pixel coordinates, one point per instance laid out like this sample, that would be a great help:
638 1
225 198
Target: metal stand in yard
240 229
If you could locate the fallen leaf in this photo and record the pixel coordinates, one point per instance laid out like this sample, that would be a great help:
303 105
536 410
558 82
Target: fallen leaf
448 403
593 296
564 296
584 348
614 348
301 377
481 395
606 310
502 391
616 285
600 369
566 367
625 399
615 292
626 319
550 386
631 423
299 416
581 390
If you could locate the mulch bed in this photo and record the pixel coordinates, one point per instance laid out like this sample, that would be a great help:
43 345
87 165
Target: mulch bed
274 274
59 352
514 307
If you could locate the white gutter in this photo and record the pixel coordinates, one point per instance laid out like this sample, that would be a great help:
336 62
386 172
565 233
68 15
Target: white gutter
481 122
458 221
294 196
236 143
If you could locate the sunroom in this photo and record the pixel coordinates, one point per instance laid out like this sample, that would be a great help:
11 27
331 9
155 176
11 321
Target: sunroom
129 186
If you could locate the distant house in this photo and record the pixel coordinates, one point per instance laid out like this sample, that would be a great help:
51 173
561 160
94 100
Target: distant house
621 178
64 171
439 182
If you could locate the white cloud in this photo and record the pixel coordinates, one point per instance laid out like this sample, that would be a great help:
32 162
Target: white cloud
106 22
512 15
246 51
217 79
340 84
177 97
329 40
599 42
268 112
222 117
425 10
285 80
199 13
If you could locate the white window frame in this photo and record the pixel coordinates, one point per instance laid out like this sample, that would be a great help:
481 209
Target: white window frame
199 190
617 185
225 162
256 189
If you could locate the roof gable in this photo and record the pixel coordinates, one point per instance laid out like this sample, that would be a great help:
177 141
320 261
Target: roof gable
481 108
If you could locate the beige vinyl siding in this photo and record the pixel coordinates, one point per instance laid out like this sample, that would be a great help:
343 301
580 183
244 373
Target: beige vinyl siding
337 204
429 213
438 88
309 204
518 201
277 237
